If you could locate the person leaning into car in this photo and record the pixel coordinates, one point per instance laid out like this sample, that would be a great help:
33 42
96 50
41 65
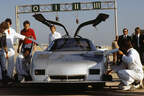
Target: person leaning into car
53 35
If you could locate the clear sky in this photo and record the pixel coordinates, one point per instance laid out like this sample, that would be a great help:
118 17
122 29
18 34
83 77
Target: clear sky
130 15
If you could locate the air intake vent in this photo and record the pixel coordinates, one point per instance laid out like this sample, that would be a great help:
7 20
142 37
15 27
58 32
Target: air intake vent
39 72
68 77
94 71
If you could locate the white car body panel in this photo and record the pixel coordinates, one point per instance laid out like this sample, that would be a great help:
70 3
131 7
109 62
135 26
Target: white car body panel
63 64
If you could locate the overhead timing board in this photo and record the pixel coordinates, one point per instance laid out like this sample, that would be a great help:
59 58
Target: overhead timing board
59 7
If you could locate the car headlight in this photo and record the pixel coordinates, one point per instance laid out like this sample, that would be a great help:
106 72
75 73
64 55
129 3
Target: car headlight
39 72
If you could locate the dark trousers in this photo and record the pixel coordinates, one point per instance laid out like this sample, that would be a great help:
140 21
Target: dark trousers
140 51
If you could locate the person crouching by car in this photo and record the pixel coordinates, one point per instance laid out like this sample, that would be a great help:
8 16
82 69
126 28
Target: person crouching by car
23 66
3 50
133 71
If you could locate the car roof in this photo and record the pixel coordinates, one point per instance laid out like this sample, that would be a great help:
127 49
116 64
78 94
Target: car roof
72 38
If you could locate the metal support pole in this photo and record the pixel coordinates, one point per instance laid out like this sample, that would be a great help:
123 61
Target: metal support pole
17 20
116 19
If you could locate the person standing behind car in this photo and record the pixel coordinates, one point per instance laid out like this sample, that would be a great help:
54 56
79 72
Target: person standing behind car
53 35
11 34
137 41
125 36
114 46
24 57
122 37
23 66
29 33
3 50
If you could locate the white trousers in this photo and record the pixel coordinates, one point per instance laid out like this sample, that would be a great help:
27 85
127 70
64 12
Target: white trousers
10 62
128 76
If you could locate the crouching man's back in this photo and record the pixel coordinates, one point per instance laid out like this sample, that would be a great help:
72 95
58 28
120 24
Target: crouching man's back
133 70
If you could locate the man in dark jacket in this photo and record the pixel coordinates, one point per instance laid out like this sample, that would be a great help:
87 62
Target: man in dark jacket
137 41
124 36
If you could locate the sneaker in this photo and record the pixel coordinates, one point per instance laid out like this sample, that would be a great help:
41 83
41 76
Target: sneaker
126 88
121 86
136 84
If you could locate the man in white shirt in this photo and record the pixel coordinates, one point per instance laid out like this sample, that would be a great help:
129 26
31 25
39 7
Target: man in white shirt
53 35
10 36
133 70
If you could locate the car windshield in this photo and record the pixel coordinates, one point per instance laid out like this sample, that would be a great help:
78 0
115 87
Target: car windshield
71 44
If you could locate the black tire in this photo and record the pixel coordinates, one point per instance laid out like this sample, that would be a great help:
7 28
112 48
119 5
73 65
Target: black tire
98 85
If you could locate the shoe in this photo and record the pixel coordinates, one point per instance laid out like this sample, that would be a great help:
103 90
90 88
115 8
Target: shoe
121 86
136 84
126 88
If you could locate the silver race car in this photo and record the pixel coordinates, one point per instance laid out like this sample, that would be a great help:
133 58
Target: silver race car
70 59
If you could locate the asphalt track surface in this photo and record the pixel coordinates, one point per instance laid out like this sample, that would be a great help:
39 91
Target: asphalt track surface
36 90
